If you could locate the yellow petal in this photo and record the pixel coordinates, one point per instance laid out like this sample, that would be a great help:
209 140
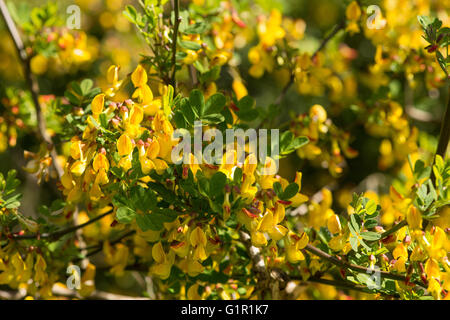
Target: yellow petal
278 232
258 239
198 237
124 145
267 222
77 168
139 76
158 253
333 224
136 114
153 149
100 162
304 239
98 103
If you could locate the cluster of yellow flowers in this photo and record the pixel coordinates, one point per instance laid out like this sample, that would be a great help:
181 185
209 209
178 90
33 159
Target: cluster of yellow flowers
183 242
399 139
271 31
125 144
328 144
75 50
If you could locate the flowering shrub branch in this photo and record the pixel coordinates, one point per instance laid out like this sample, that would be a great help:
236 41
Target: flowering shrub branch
151 182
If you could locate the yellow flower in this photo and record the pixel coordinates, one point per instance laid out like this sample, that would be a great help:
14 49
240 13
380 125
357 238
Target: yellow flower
124 145
100 162
164 261
198 241
414 218
116 256
88 281
353 13
97 105
299 198
239 89
39 268
148 159
139 76
192 293
333 224
293 245
78 168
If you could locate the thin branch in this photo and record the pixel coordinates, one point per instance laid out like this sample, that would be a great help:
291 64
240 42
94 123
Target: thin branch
346 265
53 236
327 39
395 228
322 45
96 295
193 75
343 285
32 85
285 89
444 135
100 245
174 42
59 291
254 252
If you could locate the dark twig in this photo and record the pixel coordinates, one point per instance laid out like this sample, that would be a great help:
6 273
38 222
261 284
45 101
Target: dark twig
100 245
444 135
395 228
327 39
174 42
346 265
32 85
322 45
53 236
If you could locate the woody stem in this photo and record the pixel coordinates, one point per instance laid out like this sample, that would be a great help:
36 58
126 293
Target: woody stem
346 265
53 236
444 136
176 9
31 83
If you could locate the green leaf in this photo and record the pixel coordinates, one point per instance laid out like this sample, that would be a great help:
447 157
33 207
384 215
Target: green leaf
103 120
290 191
179 119
371 207
145 222
237 175
73 99
285 141
277 188
299 142
420 171
11 182
167 101
196 28
130 13
217 184
213 118
197 101
187 111
355 223
362 277
246 103
424 21
125 215
215 104
86 86
211 75
190 45
354 243
370 236
370 223
248 115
